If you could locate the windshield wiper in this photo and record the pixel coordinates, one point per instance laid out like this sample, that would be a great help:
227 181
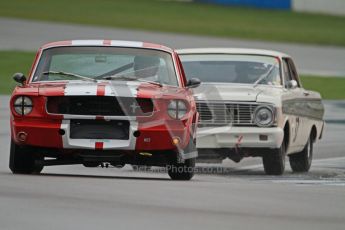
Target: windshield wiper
130 78
263 77
123 77
151 82
70 75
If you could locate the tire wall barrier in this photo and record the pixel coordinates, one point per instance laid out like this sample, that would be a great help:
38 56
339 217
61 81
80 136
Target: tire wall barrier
333 7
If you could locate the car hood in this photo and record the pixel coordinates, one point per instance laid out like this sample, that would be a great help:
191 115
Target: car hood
228 92
118 89
235 92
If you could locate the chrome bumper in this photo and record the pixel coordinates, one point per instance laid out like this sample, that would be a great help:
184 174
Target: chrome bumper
237 137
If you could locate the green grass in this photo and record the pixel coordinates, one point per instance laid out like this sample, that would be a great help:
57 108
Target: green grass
16 61
191 18
12 62
328 87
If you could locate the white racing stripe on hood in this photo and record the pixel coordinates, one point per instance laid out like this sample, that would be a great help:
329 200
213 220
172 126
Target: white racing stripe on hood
81 89
122 89
109 91
133 88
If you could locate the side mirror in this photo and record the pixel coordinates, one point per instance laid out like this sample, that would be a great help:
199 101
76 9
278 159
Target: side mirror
292 84
20 78
193 83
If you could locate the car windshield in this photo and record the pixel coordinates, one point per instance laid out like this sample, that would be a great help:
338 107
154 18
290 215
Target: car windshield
105 63
229 68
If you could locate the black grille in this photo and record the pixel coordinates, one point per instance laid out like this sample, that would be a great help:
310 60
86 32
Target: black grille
100 106
223 113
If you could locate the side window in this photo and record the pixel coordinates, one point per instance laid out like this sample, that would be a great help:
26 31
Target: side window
290 72
293 72
286 69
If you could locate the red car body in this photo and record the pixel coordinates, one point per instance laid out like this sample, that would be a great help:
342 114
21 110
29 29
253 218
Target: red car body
154 137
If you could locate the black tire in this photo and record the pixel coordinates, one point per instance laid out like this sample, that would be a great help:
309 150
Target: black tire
90 164
182 171
22 160
301 162
274 162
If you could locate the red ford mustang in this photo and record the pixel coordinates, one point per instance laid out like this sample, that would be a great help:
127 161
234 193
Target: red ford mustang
104 102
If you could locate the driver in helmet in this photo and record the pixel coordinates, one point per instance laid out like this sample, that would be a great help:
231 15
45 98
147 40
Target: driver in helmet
250 72
146 67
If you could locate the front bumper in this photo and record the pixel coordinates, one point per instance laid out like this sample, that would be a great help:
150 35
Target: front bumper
237 137
55 134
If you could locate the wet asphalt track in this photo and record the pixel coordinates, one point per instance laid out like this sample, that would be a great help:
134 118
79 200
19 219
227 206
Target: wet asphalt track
234 196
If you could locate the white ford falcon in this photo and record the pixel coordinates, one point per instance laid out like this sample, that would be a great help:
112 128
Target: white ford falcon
252 104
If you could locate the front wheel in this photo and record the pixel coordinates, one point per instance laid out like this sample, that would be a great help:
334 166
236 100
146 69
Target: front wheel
88 164
182 171
301 162
274 162
22 160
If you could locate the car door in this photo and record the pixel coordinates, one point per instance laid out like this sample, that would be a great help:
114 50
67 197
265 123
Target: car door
304 108
311 111
293 102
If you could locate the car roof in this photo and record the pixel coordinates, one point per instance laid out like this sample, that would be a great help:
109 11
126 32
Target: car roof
232 51
113 43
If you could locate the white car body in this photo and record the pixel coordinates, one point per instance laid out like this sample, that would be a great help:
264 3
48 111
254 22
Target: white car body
298 112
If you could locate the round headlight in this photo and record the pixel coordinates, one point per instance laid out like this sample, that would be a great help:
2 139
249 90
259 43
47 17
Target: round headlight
264 116
23 105
177 109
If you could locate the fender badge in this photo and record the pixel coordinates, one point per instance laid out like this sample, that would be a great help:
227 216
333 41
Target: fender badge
147 139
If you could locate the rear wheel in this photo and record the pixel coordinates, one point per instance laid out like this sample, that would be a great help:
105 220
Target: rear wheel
22 160
301 162
274 162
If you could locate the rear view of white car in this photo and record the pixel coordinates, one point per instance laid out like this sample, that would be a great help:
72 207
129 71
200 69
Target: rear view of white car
252 104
